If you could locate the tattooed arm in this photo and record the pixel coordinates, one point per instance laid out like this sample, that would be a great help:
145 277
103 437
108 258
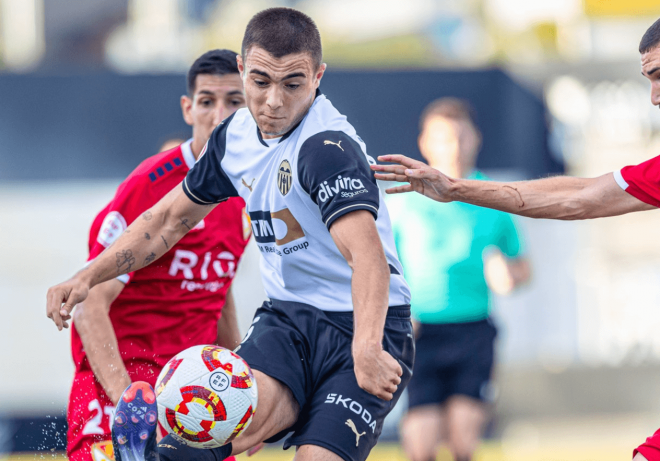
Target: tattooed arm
144 241
560 197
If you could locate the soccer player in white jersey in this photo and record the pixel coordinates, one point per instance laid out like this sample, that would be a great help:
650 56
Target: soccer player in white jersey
332 349
633 188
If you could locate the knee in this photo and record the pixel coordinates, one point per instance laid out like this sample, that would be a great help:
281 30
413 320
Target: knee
418 445
463 446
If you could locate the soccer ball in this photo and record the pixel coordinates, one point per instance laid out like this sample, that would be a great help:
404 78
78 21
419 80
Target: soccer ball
206 396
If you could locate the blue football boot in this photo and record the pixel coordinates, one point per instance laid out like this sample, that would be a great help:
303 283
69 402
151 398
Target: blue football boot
134 424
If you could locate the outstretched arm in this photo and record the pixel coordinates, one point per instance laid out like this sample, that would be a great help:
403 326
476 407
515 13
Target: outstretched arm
560 197
148 238
357 239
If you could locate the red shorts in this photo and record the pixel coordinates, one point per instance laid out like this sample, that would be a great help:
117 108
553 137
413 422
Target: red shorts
89 414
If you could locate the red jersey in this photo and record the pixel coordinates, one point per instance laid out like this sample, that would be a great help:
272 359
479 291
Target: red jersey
175 302
641 181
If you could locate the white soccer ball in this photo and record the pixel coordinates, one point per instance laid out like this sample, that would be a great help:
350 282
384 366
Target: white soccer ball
206 396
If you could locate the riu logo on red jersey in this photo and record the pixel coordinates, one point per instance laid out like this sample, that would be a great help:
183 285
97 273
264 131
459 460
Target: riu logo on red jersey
187 262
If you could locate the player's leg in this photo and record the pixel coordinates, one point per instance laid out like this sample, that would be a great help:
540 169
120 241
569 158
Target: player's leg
277 410
466 409
339 416
88 417
465 422
421 431
272 348
315 453
423 427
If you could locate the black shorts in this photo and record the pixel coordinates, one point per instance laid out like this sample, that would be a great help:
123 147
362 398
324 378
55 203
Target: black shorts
452 359
309 350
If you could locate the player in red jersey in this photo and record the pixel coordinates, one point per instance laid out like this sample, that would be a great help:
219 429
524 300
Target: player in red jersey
128 328
552 198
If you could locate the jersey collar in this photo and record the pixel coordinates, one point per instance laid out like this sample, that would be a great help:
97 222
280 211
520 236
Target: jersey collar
288 133
188 155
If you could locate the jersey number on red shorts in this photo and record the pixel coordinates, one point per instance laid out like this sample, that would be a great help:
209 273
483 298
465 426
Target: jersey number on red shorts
93 426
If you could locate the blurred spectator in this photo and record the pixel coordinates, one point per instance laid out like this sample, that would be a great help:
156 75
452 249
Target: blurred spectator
452 254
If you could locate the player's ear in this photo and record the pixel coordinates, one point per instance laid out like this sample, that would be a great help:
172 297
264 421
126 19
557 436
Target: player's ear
320 72
239 63
186 108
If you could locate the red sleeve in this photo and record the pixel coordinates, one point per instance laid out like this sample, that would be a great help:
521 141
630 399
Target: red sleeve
651 448
641 181
130 201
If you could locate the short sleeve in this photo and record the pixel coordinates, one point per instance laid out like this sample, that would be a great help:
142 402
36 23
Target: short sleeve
651 448
335 173
206 182
641 181
509 240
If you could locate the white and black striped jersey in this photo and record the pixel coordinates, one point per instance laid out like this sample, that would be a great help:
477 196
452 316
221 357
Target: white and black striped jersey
295 187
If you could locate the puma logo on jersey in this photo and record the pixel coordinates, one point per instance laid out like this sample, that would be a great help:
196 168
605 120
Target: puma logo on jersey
338 144
351 424
246 184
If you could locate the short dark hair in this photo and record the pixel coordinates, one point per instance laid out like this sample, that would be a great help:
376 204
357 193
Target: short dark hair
451 108
283 31
651 38
214 62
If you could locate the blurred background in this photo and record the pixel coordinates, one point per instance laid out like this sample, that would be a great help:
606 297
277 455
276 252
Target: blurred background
88 89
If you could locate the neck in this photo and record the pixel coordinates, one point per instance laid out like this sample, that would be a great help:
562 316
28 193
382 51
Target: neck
196 146
270 136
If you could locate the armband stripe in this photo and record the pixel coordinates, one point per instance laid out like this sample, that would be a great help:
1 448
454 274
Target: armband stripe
618 177
350 206
189 192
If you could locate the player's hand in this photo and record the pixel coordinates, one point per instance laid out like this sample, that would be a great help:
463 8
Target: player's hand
421 178
377 372
62 298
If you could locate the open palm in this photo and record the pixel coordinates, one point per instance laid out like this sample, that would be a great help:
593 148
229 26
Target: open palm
420 177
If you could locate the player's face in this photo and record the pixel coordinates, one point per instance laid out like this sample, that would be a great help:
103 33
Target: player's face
279 91
216 97
448 145
651 70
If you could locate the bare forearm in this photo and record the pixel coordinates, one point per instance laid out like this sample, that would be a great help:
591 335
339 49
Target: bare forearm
561 197
557 198
357 238
370 291
145 240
